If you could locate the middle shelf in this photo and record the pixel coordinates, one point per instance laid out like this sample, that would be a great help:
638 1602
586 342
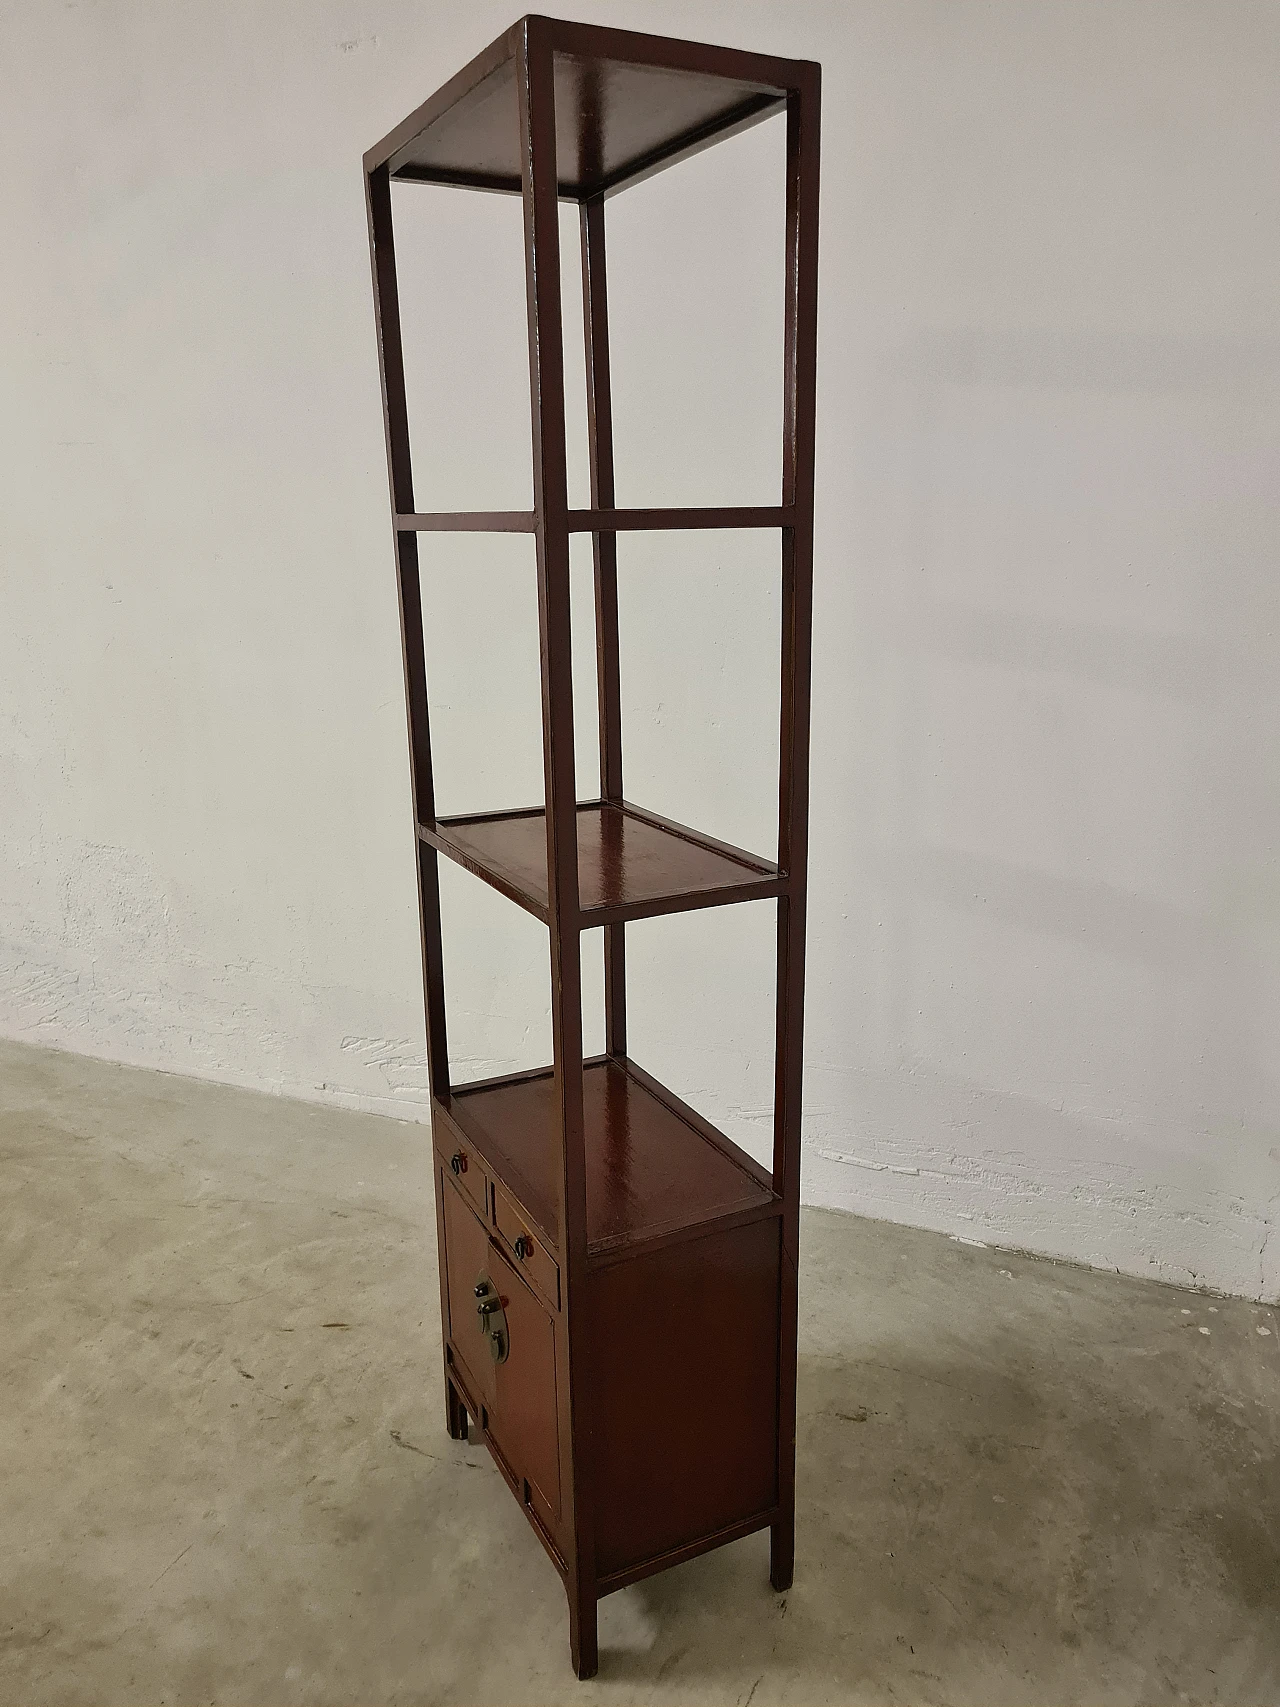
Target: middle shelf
632 864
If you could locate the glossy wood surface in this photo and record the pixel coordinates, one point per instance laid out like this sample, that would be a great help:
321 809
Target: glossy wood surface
653 1166
528 1248
604 562
470 1178
804 110
525 1409
625 105
630 864
466 1255
555 629
685 1416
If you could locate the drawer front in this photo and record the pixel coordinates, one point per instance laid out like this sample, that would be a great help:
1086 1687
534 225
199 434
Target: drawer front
526 1250
524 1421
463 1164
468 1254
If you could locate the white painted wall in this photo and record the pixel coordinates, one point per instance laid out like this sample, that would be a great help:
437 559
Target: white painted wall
1045 943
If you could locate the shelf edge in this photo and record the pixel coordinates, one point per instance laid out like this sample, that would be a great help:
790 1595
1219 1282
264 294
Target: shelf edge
495 879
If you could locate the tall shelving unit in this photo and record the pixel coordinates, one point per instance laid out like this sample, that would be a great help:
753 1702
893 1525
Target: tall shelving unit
617 1278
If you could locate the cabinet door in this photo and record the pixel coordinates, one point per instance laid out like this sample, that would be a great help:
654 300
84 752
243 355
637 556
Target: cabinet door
468 1255
524 1419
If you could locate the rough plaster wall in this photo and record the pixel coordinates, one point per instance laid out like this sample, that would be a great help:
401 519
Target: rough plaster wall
1045 949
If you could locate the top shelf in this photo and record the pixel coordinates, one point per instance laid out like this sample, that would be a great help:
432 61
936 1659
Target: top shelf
626 105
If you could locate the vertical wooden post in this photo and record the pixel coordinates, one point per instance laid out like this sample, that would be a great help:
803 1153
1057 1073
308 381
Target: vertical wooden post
551 506
386 302
395 416
800 359
595 319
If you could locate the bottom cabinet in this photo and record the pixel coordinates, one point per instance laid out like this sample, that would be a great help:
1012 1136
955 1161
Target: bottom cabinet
681 1382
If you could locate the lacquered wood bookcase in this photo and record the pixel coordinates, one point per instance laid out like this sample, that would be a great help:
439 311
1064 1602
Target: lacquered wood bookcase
617 1278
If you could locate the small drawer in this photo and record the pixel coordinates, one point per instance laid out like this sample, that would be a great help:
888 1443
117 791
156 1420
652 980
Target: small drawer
526 1250
471 1179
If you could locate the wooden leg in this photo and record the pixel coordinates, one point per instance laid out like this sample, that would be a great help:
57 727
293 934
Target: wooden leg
582 1630
782 1552
455 1412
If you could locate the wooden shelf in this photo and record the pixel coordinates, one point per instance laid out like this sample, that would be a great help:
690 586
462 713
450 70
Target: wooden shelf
625 106
632 864
655 1168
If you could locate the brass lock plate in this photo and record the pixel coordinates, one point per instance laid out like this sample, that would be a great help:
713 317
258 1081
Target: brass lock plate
492 1318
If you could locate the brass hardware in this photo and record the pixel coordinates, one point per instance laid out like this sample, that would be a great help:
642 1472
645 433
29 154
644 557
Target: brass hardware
492 1318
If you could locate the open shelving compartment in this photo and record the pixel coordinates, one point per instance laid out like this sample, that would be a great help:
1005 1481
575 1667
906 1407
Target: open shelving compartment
609 1260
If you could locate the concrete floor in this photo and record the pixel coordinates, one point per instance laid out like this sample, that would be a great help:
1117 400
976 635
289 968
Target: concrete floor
226 1477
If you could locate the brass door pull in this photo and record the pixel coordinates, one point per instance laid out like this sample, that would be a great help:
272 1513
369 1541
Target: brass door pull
492 1318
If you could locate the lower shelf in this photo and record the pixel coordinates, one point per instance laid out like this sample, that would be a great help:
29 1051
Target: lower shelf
654 1166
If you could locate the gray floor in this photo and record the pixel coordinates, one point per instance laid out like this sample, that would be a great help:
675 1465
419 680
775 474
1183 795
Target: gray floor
226 1477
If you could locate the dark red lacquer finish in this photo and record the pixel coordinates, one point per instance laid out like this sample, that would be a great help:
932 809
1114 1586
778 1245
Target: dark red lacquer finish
631 863
608 1259
653 1166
